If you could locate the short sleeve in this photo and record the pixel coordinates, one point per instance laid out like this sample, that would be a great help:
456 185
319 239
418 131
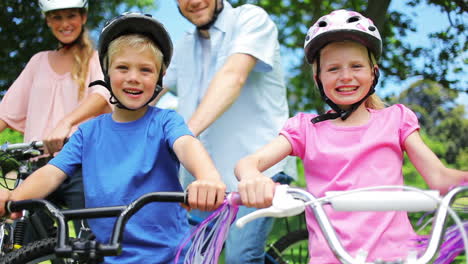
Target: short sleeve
14 105
174 127
69 159
256 35
409 123
293 130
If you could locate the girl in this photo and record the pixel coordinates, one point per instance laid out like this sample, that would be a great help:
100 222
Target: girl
359 143
51 95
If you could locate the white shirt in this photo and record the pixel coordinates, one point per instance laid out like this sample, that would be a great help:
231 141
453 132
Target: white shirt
260 111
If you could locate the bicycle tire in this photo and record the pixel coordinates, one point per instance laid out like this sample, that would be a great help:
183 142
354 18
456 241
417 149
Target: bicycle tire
291 248
35 252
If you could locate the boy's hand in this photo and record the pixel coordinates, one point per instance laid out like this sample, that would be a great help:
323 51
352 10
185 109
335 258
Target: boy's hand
257 191
5 196
206 194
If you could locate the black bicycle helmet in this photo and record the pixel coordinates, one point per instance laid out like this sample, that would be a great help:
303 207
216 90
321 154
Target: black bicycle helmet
342 25
133 23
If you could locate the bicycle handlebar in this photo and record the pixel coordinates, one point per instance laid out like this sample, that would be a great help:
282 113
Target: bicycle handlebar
21 146
123 214
290 201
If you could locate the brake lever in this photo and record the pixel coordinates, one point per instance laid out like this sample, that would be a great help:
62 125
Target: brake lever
283 205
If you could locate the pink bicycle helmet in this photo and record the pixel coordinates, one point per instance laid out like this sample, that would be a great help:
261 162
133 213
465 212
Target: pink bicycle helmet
342 25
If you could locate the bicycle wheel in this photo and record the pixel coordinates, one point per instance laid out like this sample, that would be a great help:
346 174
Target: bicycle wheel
291 248
36 252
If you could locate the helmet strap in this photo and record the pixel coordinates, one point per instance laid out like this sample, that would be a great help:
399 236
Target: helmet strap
343 114
113 99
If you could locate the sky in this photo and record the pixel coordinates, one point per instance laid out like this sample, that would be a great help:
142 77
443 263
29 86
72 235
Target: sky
168 14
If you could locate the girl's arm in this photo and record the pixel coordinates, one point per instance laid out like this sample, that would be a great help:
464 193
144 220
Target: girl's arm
93 105
256 189
208 191
434 172
38 185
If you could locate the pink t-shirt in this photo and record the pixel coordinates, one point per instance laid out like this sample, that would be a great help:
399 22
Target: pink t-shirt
345 158
39 98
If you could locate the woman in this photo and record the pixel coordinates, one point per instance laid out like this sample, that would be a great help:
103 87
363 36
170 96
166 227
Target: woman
51 95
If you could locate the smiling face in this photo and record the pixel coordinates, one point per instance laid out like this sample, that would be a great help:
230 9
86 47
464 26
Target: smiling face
133 71
66 24
198 12
345 72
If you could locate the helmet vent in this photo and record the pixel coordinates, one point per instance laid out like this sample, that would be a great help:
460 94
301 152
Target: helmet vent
322 24
353 19
372 28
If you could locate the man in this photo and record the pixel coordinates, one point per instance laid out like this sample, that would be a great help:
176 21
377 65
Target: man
228 77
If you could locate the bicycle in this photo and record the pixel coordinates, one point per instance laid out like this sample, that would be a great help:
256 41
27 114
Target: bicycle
80 250
16 158
16 166
295 200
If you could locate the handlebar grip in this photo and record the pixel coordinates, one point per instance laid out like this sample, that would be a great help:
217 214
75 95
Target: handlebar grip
410 201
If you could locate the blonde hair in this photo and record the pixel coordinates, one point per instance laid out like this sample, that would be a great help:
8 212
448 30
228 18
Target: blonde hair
139 43
82 53
373 101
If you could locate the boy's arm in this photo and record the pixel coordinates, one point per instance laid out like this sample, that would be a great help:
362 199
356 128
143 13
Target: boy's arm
208 191
256 189
93 105
435 173
223 91
38 185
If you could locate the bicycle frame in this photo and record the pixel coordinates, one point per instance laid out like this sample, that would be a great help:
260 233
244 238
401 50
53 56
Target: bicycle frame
123 214
316 205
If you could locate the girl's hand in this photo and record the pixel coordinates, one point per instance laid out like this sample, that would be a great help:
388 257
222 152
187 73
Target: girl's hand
257 190
206 194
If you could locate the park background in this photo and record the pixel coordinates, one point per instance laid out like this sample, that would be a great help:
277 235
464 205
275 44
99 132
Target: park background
423 64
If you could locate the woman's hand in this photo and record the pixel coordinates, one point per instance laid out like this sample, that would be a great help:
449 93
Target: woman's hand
55 140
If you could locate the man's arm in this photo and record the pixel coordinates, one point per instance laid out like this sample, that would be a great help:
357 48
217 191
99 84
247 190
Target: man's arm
222 92
91 106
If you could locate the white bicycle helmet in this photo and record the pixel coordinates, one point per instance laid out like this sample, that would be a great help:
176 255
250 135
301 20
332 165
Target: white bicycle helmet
342 25
49 5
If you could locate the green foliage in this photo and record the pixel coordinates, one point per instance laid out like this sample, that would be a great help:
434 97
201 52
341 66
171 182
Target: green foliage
24 31
400 60
10 136
439 115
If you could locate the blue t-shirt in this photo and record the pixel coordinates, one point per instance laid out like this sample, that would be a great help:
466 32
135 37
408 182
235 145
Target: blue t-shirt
121 162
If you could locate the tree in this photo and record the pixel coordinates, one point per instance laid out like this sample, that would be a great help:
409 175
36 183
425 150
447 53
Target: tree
294 17
24 31
439 115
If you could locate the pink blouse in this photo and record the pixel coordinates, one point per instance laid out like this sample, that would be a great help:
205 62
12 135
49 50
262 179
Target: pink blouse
39 98
345 158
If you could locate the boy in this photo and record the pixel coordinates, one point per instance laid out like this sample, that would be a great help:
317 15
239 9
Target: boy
134 150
